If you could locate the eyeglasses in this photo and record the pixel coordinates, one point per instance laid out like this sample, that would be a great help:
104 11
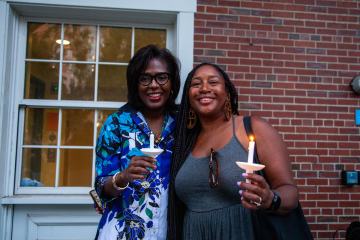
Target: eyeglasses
161 78
213 178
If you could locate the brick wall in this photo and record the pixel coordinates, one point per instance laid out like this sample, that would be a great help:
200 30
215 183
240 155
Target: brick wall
292 62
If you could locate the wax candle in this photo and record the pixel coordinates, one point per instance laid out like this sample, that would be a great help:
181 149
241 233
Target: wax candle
151 140
251 150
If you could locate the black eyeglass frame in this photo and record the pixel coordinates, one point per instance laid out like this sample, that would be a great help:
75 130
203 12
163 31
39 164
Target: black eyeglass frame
154 77
213 178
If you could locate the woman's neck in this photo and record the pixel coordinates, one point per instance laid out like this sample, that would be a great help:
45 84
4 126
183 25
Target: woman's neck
212 124
155 119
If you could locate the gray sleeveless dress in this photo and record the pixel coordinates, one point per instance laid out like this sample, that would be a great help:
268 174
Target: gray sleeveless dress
214 213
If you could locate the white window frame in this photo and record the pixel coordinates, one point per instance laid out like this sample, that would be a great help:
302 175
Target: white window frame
64 104
178 14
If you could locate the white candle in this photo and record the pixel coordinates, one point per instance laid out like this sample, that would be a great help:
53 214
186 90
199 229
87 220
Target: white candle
151 140
251 150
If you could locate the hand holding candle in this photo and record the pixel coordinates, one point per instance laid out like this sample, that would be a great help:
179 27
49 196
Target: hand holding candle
249 166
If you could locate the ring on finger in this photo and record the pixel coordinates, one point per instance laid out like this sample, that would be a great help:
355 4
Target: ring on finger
258 203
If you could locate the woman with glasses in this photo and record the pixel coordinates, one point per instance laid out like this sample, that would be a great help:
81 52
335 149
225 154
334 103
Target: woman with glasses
135 186
208 194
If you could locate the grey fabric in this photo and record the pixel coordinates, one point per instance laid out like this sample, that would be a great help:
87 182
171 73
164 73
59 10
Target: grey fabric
214 213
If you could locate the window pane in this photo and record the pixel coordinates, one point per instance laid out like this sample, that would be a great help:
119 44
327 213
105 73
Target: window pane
75 167
38 167
41 41
81 45
41 126
78 82
115 44
144 37
41 80
102 116
77 127
112 83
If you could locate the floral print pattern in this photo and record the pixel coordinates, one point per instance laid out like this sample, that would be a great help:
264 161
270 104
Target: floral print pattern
140 211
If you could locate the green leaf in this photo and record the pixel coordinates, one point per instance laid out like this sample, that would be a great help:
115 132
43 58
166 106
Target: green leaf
142 199
124 203
126 143
149 213
120 216
104 153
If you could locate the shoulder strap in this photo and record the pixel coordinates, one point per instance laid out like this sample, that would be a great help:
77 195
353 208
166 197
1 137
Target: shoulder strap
233 120
247 125
249 131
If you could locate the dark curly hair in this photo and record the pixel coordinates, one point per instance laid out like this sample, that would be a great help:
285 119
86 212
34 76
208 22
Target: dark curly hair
139 62
184 142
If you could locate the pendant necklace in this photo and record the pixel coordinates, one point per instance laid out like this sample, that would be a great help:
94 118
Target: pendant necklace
158 137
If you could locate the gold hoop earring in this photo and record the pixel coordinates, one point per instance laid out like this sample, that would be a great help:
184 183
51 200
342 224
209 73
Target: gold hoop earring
191 119
228 110
171 94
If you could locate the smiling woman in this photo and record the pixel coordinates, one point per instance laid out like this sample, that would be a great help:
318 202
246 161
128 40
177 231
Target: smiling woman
135 196
206 153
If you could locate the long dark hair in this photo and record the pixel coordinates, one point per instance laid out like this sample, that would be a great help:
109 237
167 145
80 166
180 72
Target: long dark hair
139 62
184 142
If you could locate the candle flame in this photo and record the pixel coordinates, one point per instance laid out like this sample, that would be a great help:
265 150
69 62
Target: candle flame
251 138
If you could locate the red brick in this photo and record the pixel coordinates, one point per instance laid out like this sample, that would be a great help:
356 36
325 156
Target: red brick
251 4
202 30
319 181
239 68
228 46
305 58
282 14
307 174
338 10
204 45
326 145
278 56
326 17
295 8
294 22
239 26
327 204
211 38
205 16
306 30
316 137
261 55
305 16
257 27
304 44
228 3
347 19
216 9
238 54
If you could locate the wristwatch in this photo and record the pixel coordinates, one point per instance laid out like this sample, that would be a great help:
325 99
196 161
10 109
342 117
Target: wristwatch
275 204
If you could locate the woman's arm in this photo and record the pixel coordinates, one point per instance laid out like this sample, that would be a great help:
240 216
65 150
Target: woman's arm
272 153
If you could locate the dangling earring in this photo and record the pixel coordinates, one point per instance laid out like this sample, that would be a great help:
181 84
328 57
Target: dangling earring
228 110
191 119
171 94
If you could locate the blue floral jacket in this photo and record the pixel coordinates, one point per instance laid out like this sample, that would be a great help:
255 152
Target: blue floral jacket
140 211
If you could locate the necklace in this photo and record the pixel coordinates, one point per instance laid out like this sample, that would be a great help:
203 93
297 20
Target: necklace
158 137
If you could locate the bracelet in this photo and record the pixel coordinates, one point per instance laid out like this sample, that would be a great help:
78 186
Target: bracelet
116 186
